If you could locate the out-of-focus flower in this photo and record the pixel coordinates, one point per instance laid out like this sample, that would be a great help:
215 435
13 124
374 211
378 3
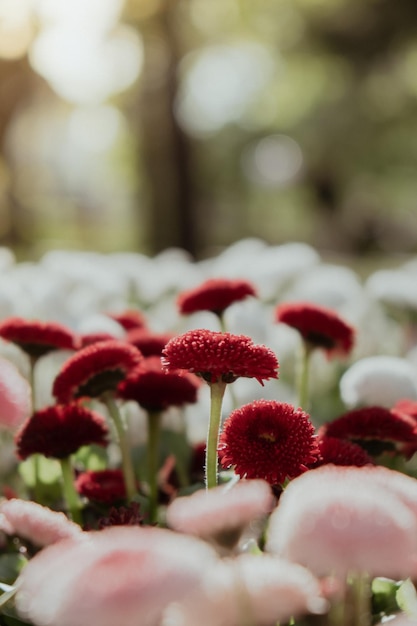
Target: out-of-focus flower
220 356
155 389
221 513
376 429
148 342
339 520
38 524
251 589
59 431
95 369
268 439
407 407
105 486
320 327
129 319
340 452
378 380
119 575
15 396
214 294
87 339
37 338
122 516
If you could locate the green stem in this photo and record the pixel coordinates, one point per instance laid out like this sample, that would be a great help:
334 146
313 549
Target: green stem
154 422
70 494
216 399
303 376
127 466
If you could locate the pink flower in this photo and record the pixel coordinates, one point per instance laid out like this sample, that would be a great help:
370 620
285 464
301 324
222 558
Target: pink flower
40 525
15 396
215 294
117 576
336 520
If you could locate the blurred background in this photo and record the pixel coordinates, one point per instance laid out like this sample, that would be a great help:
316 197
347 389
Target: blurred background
145 124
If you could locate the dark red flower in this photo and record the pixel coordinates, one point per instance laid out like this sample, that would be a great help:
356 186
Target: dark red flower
122 516
376 429
60 430
220 356
37 338
320 327
155 389
215 295
95 369
341 452
104 486
88 338
129 319
148 342
268 439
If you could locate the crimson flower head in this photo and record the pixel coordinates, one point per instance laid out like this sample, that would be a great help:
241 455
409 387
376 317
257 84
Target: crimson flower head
215 295
60 430
129 319
37 338
106 486
156 389
341 452
268 439
319 326
376 429
148 342
95 369
217 356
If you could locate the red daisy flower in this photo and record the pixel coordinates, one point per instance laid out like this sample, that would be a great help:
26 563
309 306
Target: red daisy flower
95 369
156 389
122 516
104 486
87 339
129 319
60 430
319 327
148 342
37 338
341 452
269 440
220 356
376 429
215 295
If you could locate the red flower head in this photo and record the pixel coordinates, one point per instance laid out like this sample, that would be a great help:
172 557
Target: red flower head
95 369
60 430
269 440
220 356
155 389
129 319
37 338
215 295
104 486
341 452
87 339
148 342
122 516
319 327
376 429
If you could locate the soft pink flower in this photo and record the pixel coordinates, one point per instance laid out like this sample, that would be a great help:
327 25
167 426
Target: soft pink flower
250 589
15 396
29 520
336 520
118 576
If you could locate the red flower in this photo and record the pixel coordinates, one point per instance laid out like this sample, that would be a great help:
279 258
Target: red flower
89 338
220 356
341 452
95 369
148 342
129 319
37 338
122 516
376 429
60 430
319 327
269 440
156 389
215 295
104 486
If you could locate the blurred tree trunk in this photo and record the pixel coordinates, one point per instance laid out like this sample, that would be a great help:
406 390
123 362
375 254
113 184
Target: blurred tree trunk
165 150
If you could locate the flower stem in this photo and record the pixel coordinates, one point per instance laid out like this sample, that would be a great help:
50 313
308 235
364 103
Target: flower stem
303 376
127 466
70 494
154 422
217 390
